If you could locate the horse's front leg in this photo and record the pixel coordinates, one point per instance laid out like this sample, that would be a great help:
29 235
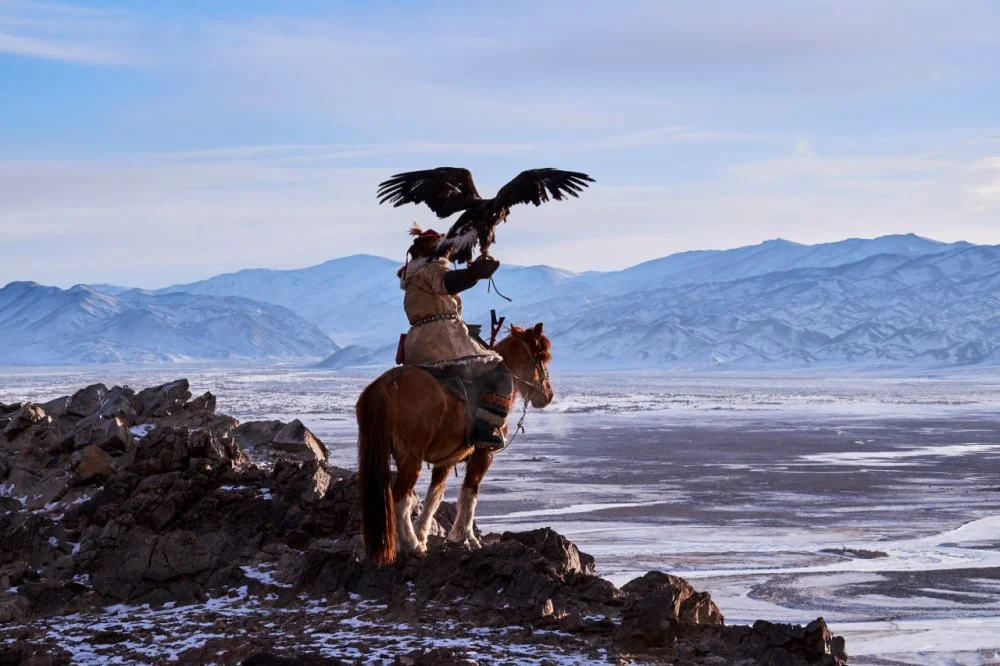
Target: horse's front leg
461 531
407 473
435 494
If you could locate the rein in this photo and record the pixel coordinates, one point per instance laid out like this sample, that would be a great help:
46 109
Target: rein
539 365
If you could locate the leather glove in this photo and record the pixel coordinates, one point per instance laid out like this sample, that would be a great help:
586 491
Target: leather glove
484 267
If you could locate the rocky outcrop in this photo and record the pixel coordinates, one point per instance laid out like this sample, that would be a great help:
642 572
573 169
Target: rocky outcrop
117 497
270 440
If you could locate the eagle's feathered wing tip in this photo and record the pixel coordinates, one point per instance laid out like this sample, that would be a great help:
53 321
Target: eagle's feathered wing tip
459 244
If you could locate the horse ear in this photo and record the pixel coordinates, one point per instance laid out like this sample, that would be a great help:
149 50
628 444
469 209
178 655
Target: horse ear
515 329
538 328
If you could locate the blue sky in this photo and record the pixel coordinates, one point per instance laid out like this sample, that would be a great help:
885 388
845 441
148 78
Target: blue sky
146 143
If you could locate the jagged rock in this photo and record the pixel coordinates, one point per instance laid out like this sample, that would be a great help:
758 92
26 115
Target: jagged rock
656 590
296 438
109 433
95 465
36 489
27 415
119 403
307 482
162 400
556 548
87 400
9 409
58 407
266 437
205 402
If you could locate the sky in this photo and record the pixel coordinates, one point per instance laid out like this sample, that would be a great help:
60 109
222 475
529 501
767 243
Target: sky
151 143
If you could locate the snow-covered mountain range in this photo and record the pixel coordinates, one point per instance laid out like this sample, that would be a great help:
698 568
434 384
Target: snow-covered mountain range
885 302
47 325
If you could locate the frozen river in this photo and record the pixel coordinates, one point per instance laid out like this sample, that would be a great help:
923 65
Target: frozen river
872 501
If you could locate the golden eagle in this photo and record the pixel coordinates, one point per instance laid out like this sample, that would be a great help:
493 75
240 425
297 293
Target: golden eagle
447 190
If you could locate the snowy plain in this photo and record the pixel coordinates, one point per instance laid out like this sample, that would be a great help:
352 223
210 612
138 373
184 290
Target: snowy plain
873 501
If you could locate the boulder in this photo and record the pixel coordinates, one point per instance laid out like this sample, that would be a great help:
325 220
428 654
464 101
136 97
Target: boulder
119 403
162 400
27 415
274 439
87 400
95 465
111 433
657 591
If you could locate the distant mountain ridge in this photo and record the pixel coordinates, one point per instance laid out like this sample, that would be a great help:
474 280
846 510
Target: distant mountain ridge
890 301
48 325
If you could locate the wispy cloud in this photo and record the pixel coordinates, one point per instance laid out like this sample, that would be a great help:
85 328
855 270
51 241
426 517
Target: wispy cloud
65 33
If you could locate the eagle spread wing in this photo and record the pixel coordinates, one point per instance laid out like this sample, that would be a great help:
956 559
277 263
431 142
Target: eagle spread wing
536 185
445 190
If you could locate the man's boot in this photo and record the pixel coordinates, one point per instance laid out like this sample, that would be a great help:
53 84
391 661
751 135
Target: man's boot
491 416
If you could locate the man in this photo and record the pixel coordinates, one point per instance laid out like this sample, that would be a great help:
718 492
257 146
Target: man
439 338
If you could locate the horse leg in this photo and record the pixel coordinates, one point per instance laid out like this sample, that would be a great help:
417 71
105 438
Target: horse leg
435 493
407 472
462 531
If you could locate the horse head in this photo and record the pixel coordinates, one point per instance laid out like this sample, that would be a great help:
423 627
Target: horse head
527 353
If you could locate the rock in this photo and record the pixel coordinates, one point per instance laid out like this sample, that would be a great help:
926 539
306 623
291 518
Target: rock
109 433
435 657
119 403
9 409
657 590
95 465
294 439
27 653
162 400
87 400
642 630
58 407
204 402
271 659
27 415
52 485
306 482
556 548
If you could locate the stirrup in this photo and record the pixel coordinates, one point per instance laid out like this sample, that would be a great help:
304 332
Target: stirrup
487 436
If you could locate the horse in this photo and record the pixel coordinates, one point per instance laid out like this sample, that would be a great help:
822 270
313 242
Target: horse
407 415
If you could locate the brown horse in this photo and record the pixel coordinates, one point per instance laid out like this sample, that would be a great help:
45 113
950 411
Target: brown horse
407 415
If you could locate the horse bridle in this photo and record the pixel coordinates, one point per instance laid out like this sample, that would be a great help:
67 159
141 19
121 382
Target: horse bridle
539 367
534 386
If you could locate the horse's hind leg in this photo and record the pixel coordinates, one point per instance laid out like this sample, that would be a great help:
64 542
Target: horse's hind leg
407 472
435 493
462 531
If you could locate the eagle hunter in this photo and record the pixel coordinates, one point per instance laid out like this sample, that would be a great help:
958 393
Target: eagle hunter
447 190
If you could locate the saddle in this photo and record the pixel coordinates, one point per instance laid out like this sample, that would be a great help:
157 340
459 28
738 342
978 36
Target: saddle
460 388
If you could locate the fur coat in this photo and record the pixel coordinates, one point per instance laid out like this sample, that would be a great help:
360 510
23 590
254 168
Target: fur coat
444 341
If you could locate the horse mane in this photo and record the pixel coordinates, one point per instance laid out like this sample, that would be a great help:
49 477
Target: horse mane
540 345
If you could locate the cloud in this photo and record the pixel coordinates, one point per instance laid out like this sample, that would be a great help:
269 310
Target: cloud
66 33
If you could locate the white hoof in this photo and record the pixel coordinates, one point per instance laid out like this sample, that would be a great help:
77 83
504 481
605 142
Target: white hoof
466 539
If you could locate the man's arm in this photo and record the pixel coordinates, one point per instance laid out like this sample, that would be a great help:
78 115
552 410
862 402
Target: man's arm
465 278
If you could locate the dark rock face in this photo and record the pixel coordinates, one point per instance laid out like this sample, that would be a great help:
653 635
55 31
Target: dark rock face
270 440
114 497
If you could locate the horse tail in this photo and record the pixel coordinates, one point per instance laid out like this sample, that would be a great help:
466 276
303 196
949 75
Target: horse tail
378 510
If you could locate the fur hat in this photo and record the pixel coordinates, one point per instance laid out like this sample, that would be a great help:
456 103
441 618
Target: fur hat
424 242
